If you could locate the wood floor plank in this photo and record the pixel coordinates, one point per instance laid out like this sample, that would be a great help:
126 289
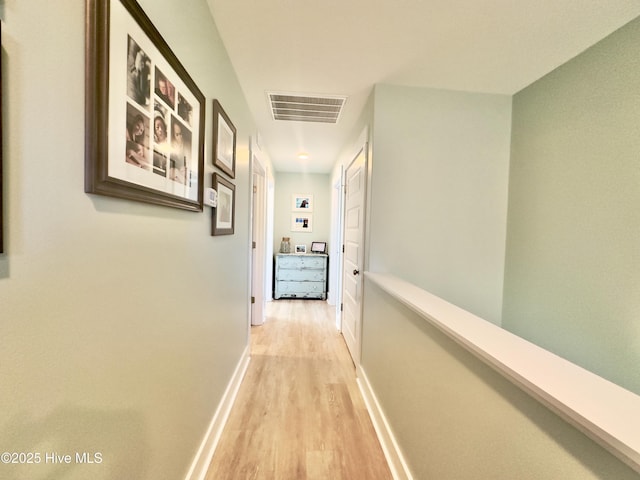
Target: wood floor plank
299 413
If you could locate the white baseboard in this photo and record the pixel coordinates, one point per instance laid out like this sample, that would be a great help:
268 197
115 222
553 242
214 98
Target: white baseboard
397 464
203 458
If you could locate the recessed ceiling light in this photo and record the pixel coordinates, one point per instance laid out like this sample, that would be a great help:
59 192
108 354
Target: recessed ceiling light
303 156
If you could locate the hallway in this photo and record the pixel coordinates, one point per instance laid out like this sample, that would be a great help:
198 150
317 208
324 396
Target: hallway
299 413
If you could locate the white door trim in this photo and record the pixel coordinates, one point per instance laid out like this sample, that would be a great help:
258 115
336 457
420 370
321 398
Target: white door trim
258 242
335 269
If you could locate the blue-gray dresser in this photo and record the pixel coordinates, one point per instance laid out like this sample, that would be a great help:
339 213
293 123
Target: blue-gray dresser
301 275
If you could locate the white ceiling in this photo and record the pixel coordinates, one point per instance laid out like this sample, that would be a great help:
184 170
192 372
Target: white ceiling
344 47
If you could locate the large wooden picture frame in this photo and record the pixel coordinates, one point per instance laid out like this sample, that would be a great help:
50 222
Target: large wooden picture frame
224 141
224 215
144 113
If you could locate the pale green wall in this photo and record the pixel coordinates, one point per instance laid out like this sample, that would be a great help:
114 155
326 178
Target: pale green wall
572 276
571 271
288 184
120 322
456 418
439 192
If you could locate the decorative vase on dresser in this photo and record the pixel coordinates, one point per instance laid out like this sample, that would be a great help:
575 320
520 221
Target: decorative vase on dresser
301 276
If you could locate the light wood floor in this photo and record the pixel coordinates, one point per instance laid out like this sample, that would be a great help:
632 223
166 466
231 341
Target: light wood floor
299 413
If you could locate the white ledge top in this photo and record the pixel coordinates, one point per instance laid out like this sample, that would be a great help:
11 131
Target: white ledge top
606 412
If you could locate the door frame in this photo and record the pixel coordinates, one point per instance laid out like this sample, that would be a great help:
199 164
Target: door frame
258 236
337 237
362 147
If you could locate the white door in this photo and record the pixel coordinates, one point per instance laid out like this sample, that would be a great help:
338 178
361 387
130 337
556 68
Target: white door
352 272
258 248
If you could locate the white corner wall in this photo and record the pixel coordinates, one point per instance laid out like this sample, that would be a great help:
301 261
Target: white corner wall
121 323
439 192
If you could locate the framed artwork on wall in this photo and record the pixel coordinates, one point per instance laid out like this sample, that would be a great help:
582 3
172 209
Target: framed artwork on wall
302 202
224 141
301 222
223 219
144 113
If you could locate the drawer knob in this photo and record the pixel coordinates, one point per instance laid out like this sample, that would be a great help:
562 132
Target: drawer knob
356 271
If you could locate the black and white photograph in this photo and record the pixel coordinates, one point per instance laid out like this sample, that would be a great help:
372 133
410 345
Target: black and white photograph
160 130
180 156
137 149
138 74
185 110
164 89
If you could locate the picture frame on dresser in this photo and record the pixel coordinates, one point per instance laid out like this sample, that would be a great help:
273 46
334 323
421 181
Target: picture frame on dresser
224 141
145 115
223 216
301 249
318 247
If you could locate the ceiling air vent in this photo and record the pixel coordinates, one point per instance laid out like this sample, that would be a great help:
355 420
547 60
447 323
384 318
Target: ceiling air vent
297 108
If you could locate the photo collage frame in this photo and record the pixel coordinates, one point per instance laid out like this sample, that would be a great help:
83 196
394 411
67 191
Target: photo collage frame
136 85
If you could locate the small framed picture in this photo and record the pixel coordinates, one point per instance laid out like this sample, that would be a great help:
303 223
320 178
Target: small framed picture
224 141
302 202
301 222
318 247
301 249
224 214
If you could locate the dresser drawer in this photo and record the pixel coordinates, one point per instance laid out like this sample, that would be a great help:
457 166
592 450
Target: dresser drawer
301 275
299 261
300 290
